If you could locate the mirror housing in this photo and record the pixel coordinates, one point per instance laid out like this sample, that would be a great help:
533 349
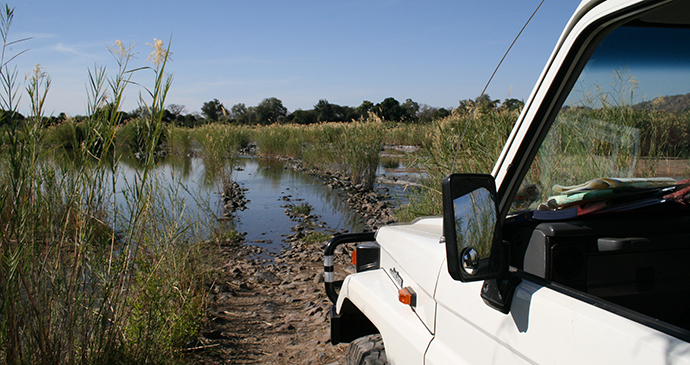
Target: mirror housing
471 227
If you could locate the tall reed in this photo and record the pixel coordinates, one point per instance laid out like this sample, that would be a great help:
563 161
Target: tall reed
407 134
220 146
88 275
279 140
457 143
349 147
621 141
360 150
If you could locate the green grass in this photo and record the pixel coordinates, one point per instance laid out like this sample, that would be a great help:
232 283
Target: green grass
586 143
316 237
349 147
230 237
301 209
455 144
87 276
137 133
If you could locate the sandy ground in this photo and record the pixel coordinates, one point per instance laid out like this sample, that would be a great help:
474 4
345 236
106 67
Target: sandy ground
263 313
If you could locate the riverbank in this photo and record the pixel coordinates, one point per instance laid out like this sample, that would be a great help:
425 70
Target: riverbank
275 311
377 206
268 312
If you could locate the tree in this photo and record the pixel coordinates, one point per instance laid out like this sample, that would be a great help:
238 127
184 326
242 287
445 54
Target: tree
176 109
324 111
145 112
389 109
410 109
53 120
300 116
327 112
212 110
364 109
238 111
188 120
241 114
429 113
270 110
350 114
512 104
140 112
441 113
485 103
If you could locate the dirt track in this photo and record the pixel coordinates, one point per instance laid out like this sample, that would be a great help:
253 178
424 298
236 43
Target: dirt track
276 311
268 314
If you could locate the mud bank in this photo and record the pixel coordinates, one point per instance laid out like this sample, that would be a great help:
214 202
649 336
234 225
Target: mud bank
264 312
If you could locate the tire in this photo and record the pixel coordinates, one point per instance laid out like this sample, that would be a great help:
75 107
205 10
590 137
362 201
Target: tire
367 350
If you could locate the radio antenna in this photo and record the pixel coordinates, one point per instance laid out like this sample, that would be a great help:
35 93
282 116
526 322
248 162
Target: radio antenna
474 110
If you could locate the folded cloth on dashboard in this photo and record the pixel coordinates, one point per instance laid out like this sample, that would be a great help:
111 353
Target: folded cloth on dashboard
615 182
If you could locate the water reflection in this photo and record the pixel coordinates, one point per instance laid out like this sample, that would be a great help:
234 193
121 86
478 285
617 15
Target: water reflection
270 185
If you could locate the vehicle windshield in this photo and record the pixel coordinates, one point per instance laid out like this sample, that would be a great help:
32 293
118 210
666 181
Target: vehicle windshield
625 127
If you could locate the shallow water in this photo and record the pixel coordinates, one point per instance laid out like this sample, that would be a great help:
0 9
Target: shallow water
270 185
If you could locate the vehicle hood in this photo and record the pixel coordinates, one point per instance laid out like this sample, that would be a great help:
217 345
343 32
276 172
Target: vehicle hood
414 250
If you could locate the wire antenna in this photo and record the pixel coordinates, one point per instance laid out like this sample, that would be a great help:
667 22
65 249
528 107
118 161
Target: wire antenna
474 110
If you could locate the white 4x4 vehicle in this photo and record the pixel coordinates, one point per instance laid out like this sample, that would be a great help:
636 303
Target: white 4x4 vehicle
576 248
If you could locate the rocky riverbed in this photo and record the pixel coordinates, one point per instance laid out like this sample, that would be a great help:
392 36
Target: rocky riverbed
275 311
268 311
373 206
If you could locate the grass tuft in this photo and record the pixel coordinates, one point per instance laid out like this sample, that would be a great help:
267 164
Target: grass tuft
89 276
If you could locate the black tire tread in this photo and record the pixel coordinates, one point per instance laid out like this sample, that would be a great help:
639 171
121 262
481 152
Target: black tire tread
367 350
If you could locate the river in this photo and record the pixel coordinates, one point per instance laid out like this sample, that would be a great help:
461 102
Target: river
270 185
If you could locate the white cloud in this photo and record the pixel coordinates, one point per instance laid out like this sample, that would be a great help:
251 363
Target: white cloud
75 50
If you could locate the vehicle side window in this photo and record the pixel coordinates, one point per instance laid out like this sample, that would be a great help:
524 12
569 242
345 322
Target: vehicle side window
625 123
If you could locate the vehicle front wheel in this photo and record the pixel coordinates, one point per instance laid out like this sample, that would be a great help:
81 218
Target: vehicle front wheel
367 350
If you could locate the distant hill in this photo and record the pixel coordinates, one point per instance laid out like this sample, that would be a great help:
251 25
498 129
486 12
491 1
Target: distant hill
673 103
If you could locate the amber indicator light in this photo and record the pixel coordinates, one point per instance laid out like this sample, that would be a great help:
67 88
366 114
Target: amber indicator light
407 296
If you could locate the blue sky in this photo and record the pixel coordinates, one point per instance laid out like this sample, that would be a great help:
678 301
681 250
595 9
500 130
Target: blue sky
434 52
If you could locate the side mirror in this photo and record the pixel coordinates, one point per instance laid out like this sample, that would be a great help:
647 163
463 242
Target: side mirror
471 227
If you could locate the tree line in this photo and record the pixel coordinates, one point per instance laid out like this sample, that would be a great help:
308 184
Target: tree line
271 110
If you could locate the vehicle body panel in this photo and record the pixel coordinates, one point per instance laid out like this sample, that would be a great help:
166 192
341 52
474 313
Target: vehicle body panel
374 293
419 271
544 327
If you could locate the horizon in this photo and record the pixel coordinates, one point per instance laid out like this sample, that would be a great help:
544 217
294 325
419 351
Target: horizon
436 53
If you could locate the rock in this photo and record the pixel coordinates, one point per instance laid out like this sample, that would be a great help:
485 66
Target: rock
215 334
270 307
285 327
288 286
266 277
314 311
221 288
300 277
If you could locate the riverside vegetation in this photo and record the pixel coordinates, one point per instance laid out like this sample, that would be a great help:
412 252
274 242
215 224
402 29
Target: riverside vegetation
86 275
91 276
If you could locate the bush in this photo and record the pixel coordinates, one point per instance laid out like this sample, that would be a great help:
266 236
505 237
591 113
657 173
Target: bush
457 143
139 135
88 275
